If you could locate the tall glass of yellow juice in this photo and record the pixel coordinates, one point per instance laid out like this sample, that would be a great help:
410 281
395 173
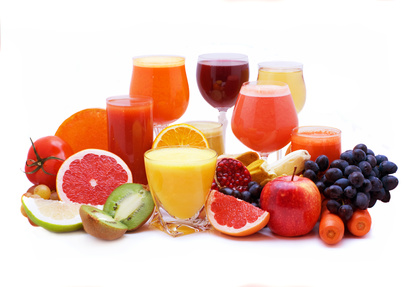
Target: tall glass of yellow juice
289 72
213 132
180 179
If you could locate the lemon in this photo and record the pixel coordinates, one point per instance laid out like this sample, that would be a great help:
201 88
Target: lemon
53 215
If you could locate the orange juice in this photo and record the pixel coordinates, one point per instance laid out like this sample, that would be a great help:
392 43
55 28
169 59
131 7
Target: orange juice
214 134
164 79
180 178
289 72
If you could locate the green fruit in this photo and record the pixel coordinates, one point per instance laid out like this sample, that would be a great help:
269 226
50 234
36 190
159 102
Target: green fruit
131 204
98 223
53 215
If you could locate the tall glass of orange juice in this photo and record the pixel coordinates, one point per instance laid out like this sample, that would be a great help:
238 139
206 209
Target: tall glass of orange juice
180 178
264 116
289 72
164 79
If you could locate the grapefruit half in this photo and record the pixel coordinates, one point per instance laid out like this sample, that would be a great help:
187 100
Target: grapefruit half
233 216
89 176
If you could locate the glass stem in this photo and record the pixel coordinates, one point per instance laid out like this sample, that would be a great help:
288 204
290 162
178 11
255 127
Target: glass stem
224 121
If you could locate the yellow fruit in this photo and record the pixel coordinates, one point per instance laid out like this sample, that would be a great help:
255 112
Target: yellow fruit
287 165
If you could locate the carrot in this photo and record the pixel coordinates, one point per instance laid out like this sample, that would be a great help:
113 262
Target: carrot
331 227
360 223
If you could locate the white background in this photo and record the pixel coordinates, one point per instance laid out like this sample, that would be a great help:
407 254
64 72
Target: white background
360 64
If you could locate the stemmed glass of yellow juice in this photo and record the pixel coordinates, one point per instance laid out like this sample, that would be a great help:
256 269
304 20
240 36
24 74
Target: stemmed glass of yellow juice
180 179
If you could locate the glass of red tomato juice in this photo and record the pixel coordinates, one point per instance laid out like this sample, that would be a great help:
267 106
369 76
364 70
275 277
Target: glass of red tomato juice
317 140
130 131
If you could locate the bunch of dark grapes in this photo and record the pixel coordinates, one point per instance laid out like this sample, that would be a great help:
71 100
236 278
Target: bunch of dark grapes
357 180
251 195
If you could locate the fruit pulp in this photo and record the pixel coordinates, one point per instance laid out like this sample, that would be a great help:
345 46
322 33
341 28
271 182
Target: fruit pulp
214 134
130 128
219 81
180 178
294 79
263 117
164 79
317 141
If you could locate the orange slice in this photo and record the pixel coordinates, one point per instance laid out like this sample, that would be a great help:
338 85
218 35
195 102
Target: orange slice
180 135
233 216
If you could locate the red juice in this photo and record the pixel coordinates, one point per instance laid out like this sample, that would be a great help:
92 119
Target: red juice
220 81
130 131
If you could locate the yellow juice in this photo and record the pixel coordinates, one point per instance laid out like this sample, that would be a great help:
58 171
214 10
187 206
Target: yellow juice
180 178
292 76
214 134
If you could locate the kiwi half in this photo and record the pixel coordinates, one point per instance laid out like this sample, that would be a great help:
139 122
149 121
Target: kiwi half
100 224
130 204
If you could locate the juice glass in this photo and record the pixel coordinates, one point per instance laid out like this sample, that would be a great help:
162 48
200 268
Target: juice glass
214 134
130 131
164 79
317 140
219 77
180 179
264 116
289 72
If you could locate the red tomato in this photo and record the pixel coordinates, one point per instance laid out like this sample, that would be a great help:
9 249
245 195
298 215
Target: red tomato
45 157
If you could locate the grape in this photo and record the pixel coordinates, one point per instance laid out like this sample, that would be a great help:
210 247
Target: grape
376 183
366 186
359 155
361 146
227 190
251 183
381 158
350 169
246 196
379 194
255 189
362 201
237 194
389 182
356 179
333 174
369 152
321 186
309 173
345 212
350 191
342 182
372 202
309 164
322 162
375 172
333 206
347 156
339 163
387 196
387 167
334 191
366 168
371 159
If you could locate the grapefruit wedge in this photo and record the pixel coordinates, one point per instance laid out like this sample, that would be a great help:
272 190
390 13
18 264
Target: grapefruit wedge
89 176
233 216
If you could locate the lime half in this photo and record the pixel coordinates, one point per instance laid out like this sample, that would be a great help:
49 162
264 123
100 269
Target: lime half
53 215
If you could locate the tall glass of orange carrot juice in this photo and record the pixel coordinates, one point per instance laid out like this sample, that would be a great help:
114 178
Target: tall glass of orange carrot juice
164 79
180 178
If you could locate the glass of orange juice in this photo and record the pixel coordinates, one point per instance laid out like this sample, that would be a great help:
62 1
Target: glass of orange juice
213 132
164 79
264 116
289 72
180 178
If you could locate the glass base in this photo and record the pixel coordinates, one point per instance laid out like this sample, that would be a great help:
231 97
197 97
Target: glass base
178 227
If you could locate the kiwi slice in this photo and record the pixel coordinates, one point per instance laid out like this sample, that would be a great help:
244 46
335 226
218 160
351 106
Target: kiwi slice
131 204
98 223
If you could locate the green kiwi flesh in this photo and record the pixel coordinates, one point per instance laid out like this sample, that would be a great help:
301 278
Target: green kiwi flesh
130 204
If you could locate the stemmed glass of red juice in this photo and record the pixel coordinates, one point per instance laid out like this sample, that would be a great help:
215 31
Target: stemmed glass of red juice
264 116
219 77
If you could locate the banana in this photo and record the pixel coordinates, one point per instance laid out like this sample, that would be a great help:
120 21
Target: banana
246 158
287 164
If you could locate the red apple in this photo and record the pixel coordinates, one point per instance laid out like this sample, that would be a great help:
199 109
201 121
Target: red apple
294 204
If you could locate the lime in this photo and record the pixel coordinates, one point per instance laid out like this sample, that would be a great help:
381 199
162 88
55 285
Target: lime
53 215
